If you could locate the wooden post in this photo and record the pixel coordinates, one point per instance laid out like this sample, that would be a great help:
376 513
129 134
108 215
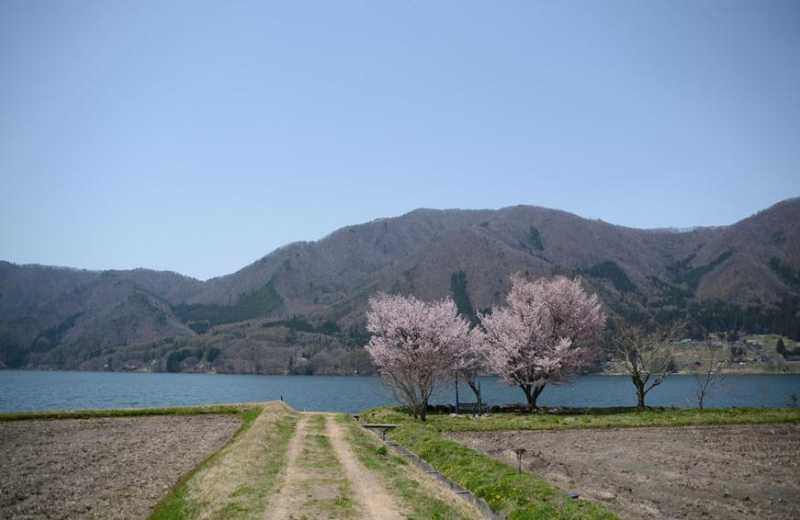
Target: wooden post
520 452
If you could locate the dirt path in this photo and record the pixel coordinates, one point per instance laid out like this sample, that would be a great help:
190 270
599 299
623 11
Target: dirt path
289 497
325 479
373 499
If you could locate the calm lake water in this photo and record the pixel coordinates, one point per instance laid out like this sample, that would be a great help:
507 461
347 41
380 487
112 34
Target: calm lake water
34 390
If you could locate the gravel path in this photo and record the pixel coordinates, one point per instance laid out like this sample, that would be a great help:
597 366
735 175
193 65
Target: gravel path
110 468
715 472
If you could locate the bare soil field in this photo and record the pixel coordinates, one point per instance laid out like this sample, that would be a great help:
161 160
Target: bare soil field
101 468
724 472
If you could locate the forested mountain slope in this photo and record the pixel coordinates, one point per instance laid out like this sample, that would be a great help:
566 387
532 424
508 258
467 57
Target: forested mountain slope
306 301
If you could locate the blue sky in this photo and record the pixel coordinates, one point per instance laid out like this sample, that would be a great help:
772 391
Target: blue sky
198 136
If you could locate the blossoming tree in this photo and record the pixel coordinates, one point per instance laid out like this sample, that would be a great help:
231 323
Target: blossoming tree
413 345
547 331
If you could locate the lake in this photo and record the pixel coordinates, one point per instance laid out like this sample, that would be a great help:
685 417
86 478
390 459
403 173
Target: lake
22 390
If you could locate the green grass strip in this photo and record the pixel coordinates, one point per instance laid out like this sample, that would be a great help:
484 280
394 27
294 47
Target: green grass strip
599 418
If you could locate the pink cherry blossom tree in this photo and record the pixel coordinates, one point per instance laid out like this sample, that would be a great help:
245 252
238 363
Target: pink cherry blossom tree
413 345
548 330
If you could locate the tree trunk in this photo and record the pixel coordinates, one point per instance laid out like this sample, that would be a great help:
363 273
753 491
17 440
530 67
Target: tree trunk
526 389
640 393
423 412
476 389
640 384
532 394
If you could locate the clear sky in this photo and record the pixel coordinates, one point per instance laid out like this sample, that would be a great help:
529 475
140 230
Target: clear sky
198 136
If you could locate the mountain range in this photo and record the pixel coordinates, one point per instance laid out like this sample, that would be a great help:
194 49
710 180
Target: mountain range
300 309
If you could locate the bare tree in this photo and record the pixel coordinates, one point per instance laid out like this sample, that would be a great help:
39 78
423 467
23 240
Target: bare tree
709 374
645 356
469 362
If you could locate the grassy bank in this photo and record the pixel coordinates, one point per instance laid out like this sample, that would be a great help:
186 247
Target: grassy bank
236 481
525 496
175 504
594 418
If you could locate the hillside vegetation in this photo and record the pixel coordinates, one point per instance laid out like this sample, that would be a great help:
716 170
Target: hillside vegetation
300 309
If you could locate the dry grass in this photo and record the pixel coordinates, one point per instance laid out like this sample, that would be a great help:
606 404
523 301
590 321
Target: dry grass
235 483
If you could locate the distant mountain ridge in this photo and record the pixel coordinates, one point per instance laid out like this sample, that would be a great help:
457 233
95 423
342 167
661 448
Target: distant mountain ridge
310 297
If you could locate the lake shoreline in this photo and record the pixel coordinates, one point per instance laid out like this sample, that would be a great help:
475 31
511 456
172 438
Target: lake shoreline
27 390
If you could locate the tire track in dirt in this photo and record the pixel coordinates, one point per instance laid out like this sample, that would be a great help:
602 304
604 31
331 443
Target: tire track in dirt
288 499
373 500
